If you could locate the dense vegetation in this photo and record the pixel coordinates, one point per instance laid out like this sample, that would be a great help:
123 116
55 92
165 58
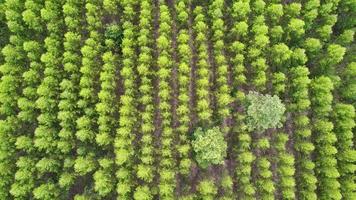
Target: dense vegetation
177 99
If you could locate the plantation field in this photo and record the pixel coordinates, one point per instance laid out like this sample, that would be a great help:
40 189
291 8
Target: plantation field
177 99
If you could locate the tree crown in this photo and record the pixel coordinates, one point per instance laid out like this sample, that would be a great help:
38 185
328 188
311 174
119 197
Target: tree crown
263 111
209 146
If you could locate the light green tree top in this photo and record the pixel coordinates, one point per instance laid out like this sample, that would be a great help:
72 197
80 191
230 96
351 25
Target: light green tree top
264 111
209 146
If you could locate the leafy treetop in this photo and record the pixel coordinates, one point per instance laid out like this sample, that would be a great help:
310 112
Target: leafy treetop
209 146
263 111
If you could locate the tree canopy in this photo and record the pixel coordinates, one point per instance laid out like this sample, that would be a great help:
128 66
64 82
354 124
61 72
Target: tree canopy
264 111
209 146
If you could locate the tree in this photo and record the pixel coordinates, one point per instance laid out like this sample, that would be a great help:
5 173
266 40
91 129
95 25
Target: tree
334 55
84 165
114 32
280 54
348 86
209 146
46 191
207 189
263 111
142 193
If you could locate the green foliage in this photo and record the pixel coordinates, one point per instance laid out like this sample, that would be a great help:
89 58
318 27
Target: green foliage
344 115
207 189
264 183
46 191
286 170
142 193
103 182
84 165
203 103
165 66
209 146
348 86
218 27
325 139
280 54
115 33
184 71
98 99
263 111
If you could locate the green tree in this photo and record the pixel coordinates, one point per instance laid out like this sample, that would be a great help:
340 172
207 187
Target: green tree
209 146
114 32
348 85
142 193
46 191
207 189
263 111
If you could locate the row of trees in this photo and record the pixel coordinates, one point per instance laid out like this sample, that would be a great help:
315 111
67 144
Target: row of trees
145 169
69 88
107 107
184 71
124 151
87 121
166 168
285 167
185 82
11 75
46 133
256 53
222 94
203 109
326 171
344 115
107 110
25 175
238 32
299 105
